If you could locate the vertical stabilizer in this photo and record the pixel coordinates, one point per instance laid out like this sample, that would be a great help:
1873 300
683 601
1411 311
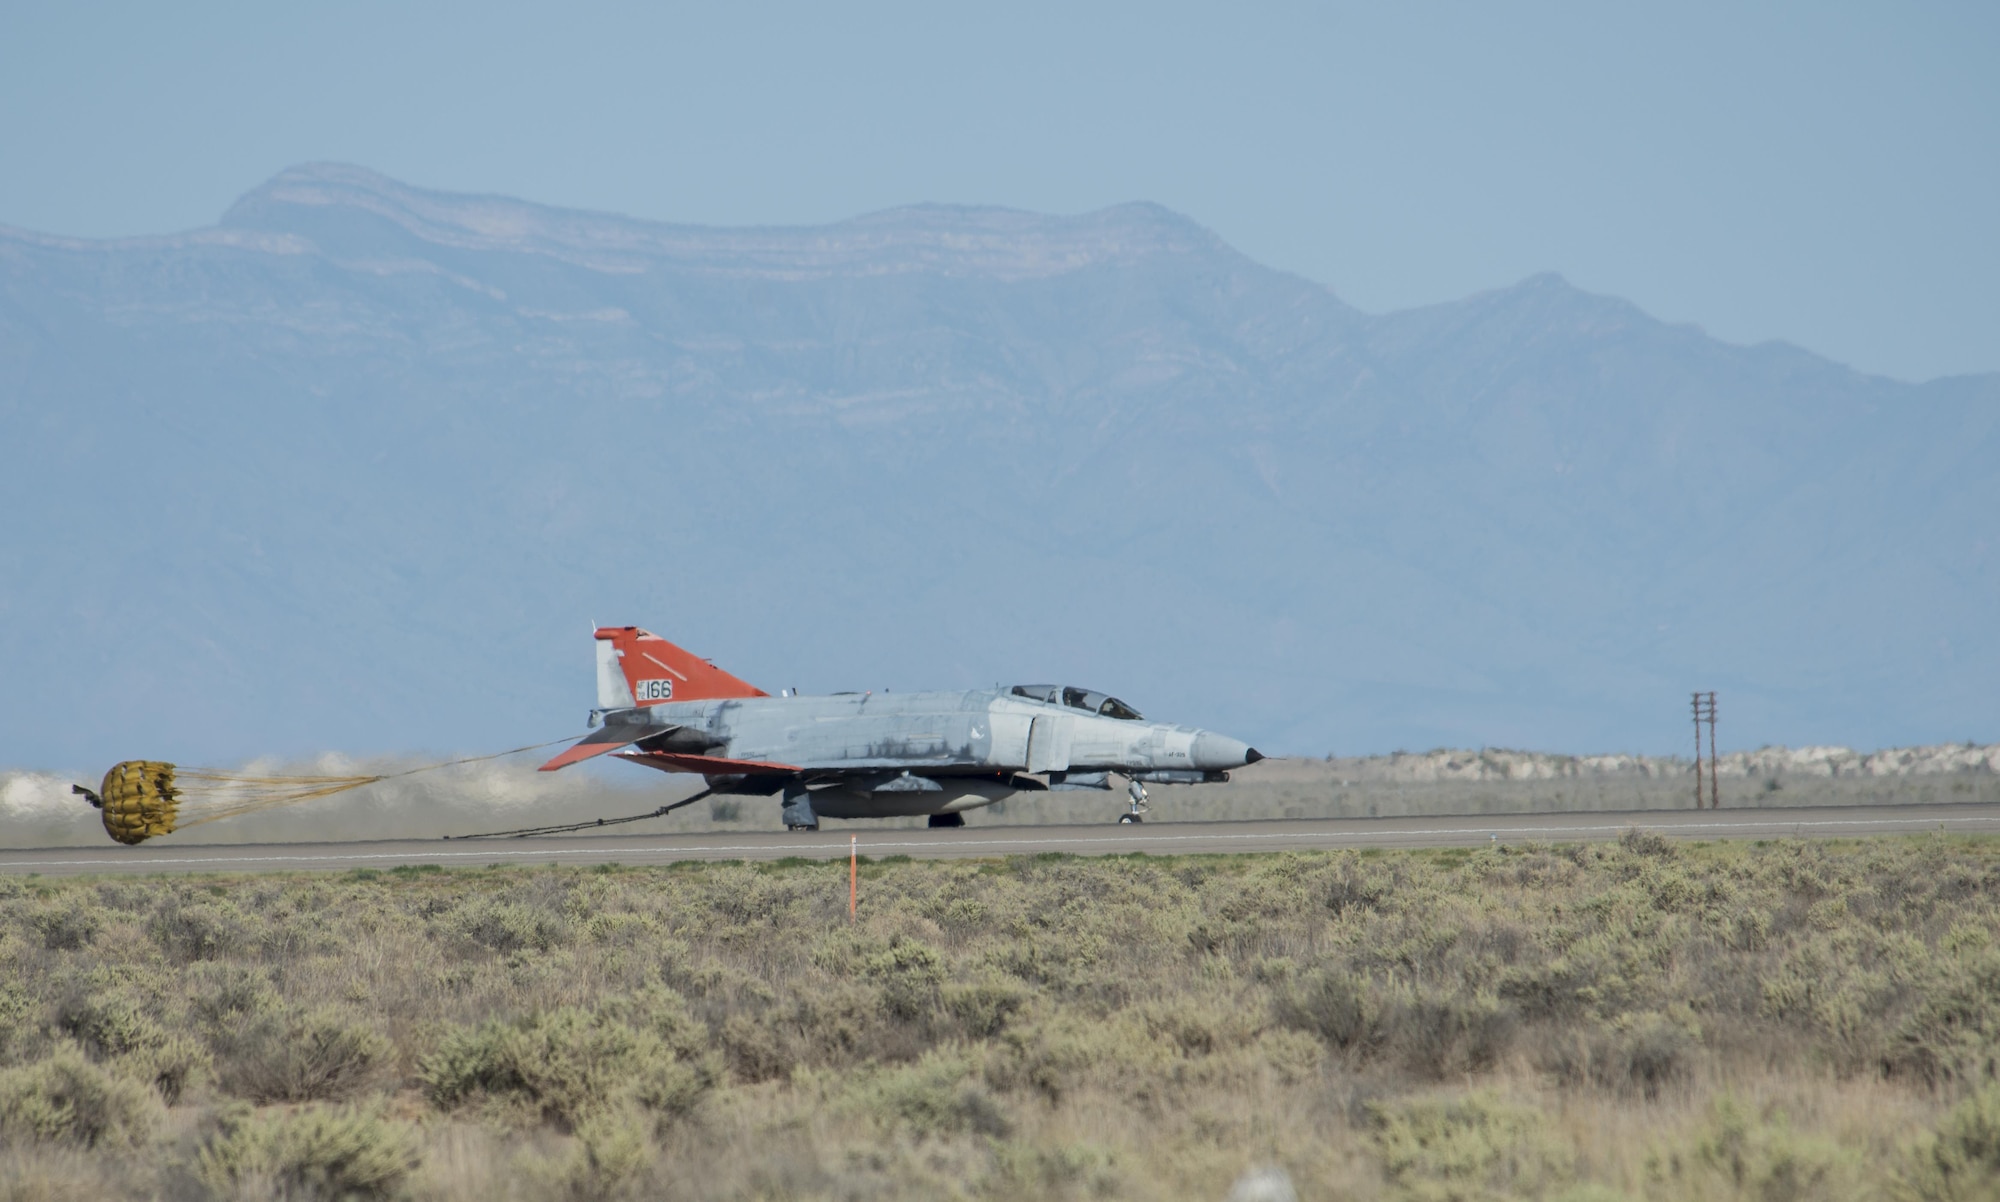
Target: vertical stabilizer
653 671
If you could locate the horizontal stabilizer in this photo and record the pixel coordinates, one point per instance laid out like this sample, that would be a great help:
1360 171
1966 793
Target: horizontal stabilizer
610 738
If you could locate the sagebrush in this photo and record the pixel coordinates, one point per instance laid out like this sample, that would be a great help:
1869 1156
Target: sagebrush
1633 1020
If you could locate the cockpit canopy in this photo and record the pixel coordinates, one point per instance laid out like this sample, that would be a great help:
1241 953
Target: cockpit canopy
1078 699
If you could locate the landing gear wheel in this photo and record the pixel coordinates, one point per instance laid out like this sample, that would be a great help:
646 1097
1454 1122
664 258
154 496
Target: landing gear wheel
945 820
813 829
1136 790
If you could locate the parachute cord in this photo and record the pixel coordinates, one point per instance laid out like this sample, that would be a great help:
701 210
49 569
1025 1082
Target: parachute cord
271 792
480 759
221 776
571 827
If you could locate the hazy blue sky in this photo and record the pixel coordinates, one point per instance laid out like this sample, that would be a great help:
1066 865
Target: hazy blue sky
1827 173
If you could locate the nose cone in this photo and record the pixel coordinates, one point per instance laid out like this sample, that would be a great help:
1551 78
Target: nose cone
1219 753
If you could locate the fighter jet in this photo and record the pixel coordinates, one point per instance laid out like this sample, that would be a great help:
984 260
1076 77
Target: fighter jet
879 755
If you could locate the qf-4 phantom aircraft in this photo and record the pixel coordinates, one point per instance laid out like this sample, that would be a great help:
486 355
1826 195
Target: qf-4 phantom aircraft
879 755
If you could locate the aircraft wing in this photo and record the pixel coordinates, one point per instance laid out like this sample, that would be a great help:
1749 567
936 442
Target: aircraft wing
707 765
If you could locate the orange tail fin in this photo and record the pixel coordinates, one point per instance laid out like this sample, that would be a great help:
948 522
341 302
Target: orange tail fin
657 672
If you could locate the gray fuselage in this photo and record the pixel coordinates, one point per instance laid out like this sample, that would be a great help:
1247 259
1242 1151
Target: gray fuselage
862 755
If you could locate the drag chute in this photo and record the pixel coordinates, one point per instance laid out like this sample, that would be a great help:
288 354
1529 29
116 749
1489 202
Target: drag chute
141 799
144 798
138 798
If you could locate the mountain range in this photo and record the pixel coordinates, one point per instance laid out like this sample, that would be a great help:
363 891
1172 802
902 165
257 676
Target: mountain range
357 467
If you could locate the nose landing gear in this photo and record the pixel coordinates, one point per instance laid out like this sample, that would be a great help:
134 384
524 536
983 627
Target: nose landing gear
1137 792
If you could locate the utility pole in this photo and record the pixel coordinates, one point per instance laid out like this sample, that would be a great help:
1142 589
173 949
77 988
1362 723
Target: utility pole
1697 751
1704 711
1714 785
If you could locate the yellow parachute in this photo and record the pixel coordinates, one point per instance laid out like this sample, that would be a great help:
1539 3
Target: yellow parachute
144 798
139 800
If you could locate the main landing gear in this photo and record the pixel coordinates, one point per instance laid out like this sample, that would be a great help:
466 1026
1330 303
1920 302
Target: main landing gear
938 820
1137 792
799 814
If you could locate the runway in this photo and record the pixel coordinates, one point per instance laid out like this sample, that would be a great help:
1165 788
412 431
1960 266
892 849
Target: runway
974 841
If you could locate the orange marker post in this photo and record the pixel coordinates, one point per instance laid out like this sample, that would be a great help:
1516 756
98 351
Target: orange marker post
853 875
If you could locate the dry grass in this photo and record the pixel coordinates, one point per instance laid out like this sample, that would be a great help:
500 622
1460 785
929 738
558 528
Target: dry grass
1641 1020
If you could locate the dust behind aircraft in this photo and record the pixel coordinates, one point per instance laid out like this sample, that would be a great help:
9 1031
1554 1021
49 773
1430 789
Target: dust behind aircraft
879 755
